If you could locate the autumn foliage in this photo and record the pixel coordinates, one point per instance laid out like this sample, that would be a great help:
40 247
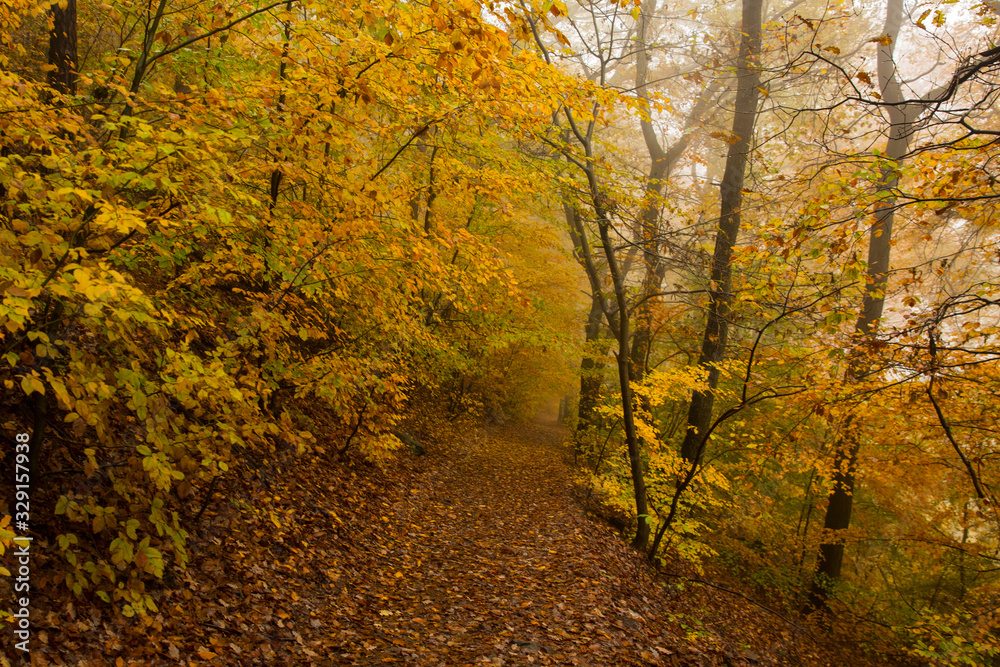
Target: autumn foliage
239 233
236 211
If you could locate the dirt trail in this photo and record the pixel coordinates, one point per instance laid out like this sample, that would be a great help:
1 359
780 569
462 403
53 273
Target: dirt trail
489 561
473 555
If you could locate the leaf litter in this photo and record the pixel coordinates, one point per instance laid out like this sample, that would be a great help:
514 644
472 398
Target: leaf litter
476 554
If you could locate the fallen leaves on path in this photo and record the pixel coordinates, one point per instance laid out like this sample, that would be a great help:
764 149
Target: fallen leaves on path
488 561
473 555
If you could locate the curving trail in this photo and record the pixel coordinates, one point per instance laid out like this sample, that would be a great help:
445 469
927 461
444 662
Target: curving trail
476 555
490 562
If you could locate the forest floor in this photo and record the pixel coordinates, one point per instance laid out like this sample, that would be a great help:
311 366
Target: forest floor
474 554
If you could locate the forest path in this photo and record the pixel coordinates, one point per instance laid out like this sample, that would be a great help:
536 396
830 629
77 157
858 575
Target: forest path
489 561
476 554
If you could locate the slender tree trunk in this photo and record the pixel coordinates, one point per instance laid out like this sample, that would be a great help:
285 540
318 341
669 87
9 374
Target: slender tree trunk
662 162
592 363
618 321
618 316
717 329
840 502
269 402
720 291
650 233
591 371
641 539
274 184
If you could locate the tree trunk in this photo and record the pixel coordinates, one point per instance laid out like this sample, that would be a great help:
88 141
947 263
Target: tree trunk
840 502
617 316
662 163
591 372
720 290
618 321
62 48
641 539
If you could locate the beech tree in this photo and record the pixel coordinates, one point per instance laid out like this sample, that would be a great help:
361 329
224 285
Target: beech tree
731 187
903 117
618 39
